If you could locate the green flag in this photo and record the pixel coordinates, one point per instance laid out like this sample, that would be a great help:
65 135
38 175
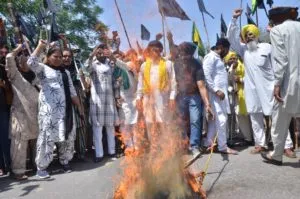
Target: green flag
196 38
257 4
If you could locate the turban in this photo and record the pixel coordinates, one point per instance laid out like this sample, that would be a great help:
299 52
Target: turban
250 28
229 55
281 11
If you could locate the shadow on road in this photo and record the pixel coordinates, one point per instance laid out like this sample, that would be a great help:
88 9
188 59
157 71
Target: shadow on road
218 177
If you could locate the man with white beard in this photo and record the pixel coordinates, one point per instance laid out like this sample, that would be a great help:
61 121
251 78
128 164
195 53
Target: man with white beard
259 78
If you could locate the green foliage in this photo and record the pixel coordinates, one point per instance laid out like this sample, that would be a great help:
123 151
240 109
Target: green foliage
76 18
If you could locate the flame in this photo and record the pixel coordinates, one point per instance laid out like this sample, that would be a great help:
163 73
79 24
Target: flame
154 167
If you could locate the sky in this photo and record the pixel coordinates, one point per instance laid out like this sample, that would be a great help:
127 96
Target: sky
137 12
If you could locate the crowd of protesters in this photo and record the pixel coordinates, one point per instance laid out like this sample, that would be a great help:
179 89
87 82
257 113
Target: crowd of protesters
51 103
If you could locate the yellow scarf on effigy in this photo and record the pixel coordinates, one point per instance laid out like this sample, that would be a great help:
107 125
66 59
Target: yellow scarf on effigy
162 72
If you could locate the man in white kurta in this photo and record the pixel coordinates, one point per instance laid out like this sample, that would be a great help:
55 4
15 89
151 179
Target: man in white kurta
217 83
285 41
259 77
156 99
103 110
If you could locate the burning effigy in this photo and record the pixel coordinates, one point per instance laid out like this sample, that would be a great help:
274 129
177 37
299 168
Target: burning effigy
159 170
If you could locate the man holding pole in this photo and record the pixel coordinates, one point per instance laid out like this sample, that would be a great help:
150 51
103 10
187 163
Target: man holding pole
259 78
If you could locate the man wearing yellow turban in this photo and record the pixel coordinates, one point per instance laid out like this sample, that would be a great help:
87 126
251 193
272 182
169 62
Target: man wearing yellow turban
259 76
238 71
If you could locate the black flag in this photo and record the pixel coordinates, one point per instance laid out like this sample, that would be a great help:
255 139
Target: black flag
145 34
270 3
54 29
203 9
250 20
170 8
27 29
223 27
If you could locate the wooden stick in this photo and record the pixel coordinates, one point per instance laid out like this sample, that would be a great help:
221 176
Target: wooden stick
164 33
256 17
205 28
123 24
241 16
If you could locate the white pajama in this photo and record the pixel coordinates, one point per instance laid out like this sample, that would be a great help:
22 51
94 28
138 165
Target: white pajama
217 80
257 120
218 125
97 137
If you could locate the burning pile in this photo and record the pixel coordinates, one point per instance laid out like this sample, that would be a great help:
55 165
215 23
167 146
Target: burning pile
157 169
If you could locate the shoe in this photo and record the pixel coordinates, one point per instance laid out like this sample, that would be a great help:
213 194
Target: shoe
112 157
289 153
42 174
1 172
98 159
195 152
20 176
67 168
229 151
268 159
257 149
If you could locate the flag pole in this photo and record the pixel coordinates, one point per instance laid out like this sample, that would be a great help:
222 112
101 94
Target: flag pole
241 16
205 28
123 23
256 17
164 34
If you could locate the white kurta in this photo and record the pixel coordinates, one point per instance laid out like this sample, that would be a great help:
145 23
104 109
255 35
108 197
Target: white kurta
217 80
157 102
259 75
286 53
128 112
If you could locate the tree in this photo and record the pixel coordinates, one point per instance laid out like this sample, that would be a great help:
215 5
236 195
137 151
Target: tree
78 19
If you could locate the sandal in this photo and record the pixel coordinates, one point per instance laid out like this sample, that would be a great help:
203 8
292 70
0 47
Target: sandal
229 151
20 177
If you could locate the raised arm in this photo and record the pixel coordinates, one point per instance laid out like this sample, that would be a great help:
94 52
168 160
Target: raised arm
233 33
33 61
89 62
11 65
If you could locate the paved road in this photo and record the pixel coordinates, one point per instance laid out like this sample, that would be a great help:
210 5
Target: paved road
243 176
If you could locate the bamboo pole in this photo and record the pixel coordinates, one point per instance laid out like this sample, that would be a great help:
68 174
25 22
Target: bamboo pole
241 6
256 13
164 33
123 23
205 28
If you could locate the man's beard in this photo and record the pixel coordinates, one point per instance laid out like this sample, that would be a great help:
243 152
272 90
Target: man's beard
252 46
102 59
